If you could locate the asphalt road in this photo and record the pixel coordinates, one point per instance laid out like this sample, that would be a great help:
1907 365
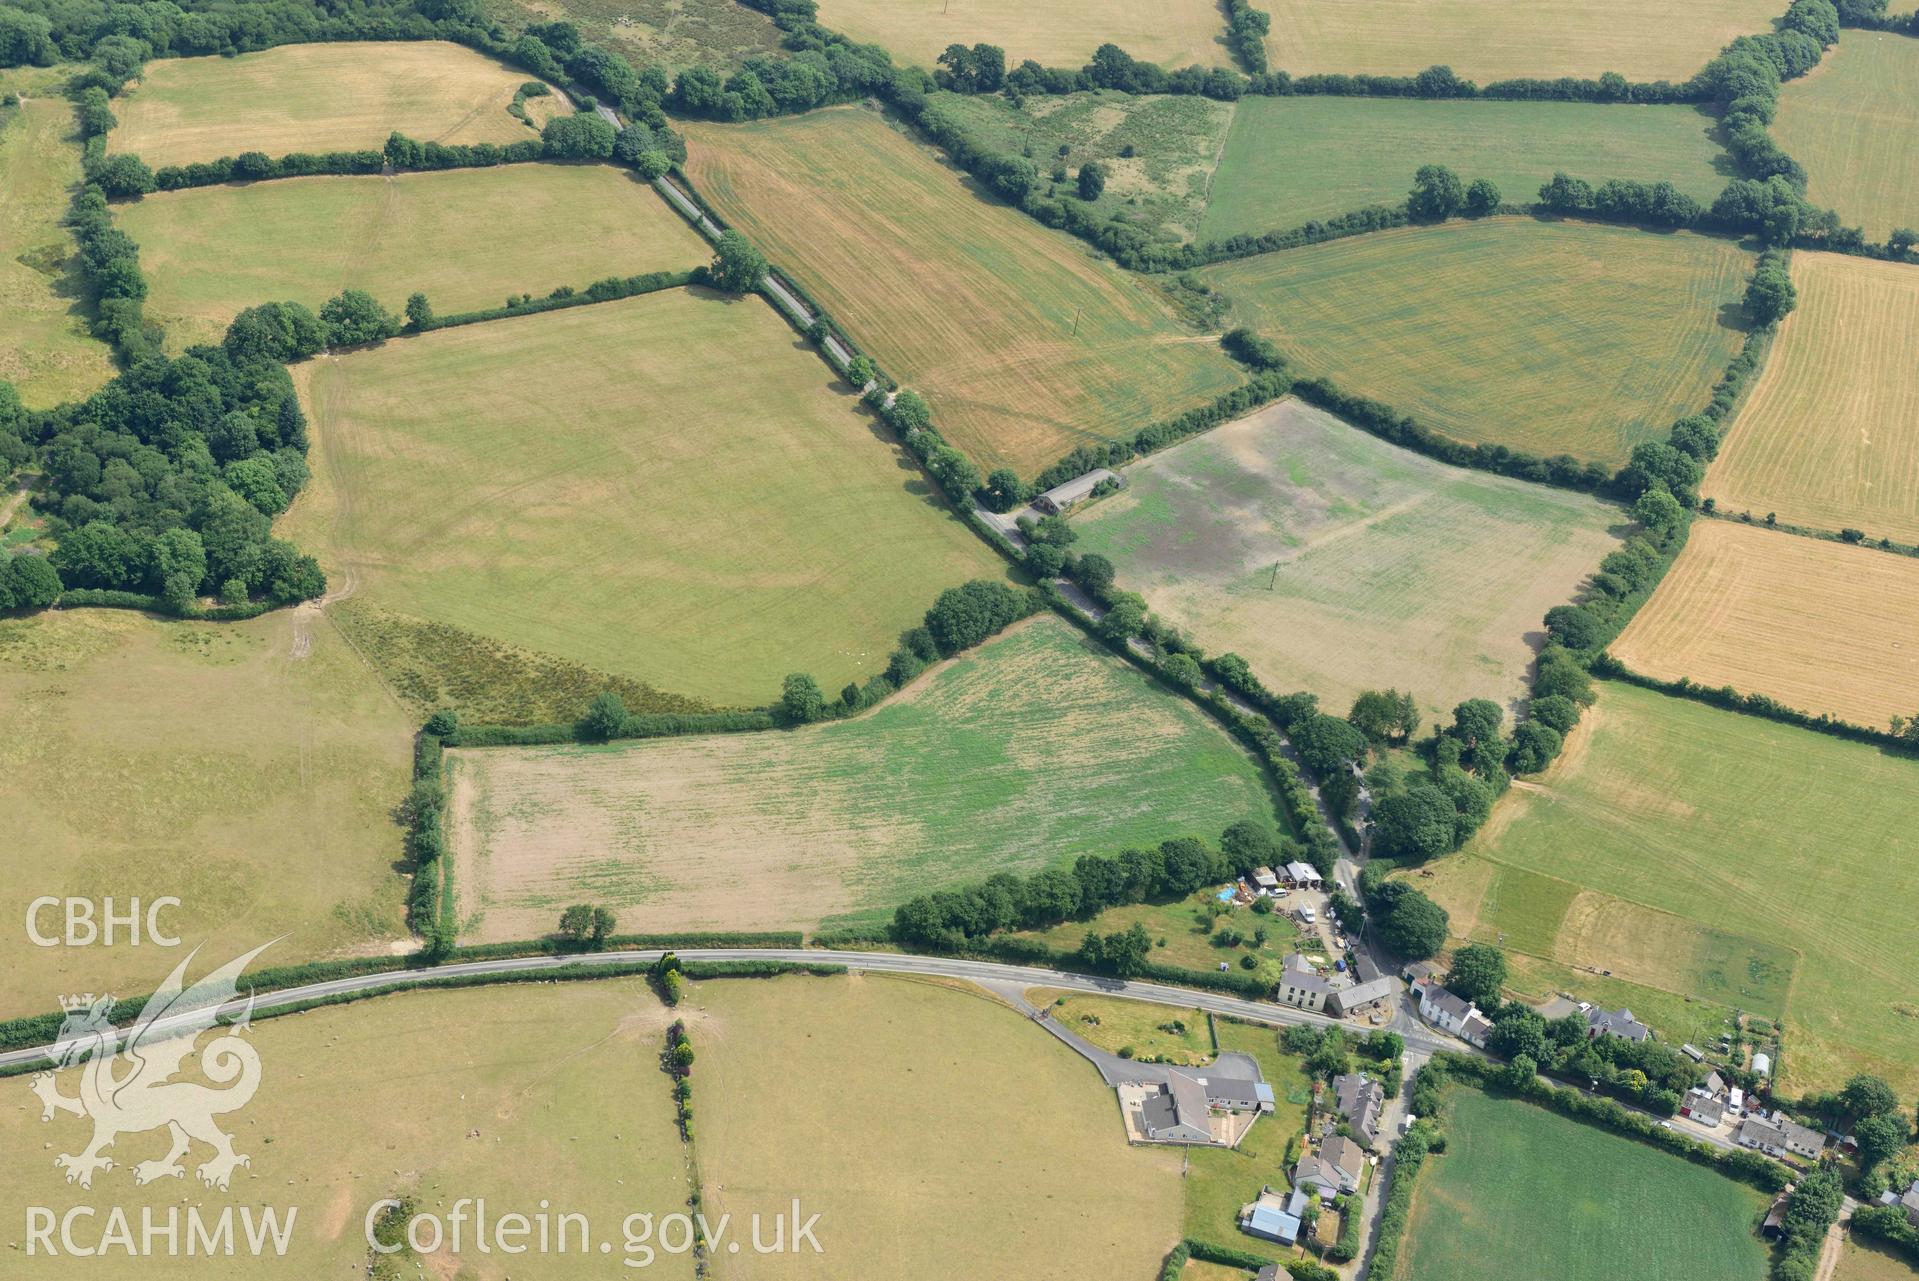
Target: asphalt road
874 962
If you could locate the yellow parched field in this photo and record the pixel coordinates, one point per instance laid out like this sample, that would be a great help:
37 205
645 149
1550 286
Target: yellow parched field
936 1133
539 1098
1830 434
1023 344
1059 33
1850 121
316 97
1485 41
1816 625
467 238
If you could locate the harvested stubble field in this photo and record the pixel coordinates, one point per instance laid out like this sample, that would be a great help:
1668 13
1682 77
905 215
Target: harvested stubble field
1059 33
571 483
1725 820
1035 748
144 758
1820 626
1850 122
1335 562
531 1096
1521 1191
1830 434
316 97
674 34
983 1146
1869 1261
45 349
964 299
1485 41
467 238
1551 337
1291 159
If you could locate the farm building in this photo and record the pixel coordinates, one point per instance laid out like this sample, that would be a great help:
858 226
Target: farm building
1360 996
1335 1168
1619 1023
1360 1099
1062 497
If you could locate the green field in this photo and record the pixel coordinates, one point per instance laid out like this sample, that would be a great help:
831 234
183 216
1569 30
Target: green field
1335 562
1550 337
1291 159
984 1147
467 238
46 351
1184 932
1023 343
1850 122
316 97
1022 754
1709 828
533 1096
674 34
144 758
1521 1191
573 483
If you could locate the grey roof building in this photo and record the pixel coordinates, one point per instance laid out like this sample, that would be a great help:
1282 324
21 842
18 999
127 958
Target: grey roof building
1361 995
1178 1113
1360 1099
1078 490
1619 1023
1335 1168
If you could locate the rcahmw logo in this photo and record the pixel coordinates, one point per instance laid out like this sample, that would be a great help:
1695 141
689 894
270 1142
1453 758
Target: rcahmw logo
127 1087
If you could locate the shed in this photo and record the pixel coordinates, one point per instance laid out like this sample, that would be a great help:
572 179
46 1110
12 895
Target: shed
1274 1225
1302 874
1075 491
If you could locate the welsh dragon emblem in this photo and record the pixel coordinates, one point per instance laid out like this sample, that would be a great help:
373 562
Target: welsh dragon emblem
127 1087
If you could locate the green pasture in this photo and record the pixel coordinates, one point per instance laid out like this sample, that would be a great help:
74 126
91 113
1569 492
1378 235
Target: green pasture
1850 122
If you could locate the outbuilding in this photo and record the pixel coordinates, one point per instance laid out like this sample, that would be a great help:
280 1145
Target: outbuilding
1076 491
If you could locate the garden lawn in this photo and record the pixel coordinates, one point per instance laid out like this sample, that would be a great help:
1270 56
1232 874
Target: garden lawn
1219 1181
316 97
1817 625
984 1147
1486 40
467 238
1022 754
1727 821
1849 122
573 483
1288 160
1829 436
1549 337
543 1099
1023 344
1130 1029
1521 1191
1183 931
46 351
1062 33
145 758
1335 562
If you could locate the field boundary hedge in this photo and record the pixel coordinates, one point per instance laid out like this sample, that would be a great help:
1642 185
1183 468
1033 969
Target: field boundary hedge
1812 531
1728 699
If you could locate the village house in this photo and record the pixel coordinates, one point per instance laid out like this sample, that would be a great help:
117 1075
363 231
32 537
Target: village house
1360 1099
1619 1023
1779 1135
1181 1108
1703 1106
1334 1169
1451 1013
1303 987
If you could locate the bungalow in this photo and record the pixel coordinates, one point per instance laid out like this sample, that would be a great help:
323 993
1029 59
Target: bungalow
1619 1023
1779 1135
1237 1094
1304 875
1076 491
1178 1113
1360 1099
1334 1169
1703 1106
1360 996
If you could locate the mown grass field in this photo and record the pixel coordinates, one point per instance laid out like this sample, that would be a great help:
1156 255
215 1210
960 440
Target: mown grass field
1022 754
976 1133
1521 1191
1175 141
316 97
145 758
1844 122
969 302
1134 1029
46 351
1335 562
467 238
1184 933
1869 1261
1750 829
1287 160
529 1096
1829 436
1819 626
1554 338
675 34
572 483
1174 33
1640 39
